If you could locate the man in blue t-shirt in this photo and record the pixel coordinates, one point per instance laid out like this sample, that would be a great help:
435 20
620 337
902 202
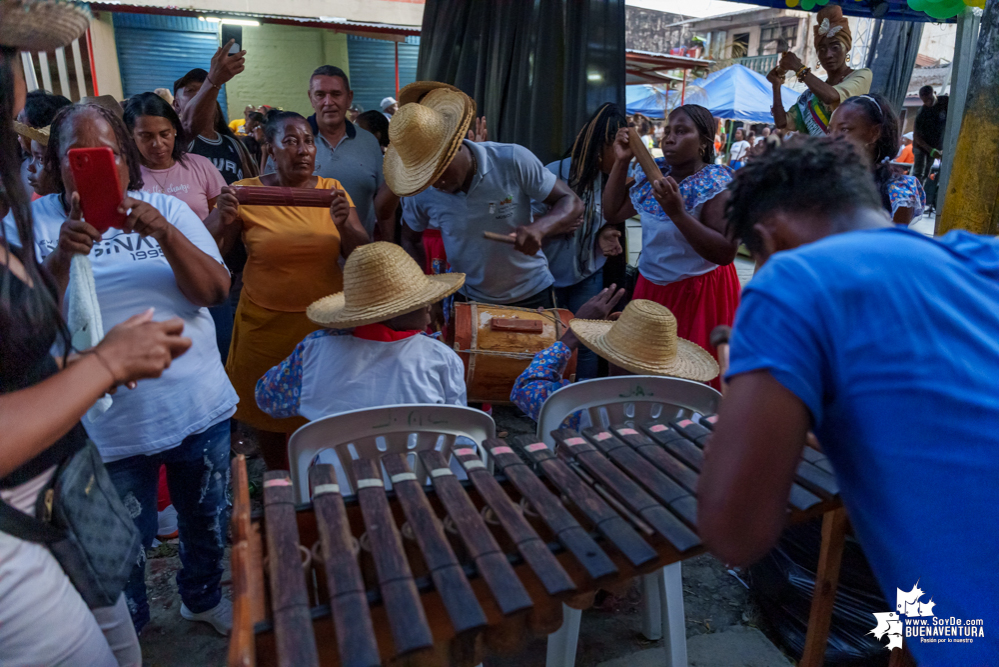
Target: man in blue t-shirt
886 344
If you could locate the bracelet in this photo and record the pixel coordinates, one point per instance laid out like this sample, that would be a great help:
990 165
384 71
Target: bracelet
114 378
212 83
802 73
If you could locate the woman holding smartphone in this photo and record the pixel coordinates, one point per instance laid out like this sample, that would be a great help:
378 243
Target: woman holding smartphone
43 618
292 261
162 257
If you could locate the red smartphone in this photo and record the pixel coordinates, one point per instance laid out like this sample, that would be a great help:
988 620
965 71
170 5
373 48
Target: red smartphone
96 177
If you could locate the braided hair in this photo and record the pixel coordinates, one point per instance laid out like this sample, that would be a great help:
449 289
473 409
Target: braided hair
588 147
877 111
129 151
705 124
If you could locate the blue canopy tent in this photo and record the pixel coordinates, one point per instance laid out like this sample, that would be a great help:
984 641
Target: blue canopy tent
739 93
735 93
650 101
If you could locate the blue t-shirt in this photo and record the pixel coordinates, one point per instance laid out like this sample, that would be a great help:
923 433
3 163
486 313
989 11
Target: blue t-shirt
891 339
499 200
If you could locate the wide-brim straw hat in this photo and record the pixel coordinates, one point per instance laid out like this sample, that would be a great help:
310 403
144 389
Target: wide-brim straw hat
644 341
381 281
415 91
41 25
423 139
39 134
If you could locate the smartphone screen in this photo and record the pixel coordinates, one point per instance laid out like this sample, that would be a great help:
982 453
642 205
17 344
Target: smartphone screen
227 32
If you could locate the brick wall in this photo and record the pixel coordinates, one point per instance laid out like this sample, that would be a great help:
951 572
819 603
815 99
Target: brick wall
646 30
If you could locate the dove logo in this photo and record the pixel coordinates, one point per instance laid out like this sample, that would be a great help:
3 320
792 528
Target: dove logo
909 604
914 618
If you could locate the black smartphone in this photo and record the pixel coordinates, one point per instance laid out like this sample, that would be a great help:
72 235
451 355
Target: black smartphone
228 31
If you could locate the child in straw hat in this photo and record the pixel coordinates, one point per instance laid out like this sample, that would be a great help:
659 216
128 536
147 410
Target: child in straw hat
372 351
641 341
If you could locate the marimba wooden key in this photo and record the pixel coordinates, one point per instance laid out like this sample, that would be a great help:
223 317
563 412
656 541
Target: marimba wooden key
628 491
438 598
608 522
348 599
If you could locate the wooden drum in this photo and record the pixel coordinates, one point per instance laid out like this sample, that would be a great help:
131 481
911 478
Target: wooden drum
496 344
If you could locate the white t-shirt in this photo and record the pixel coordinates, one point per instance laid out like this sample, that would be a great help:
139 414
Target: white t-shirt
738 151
332 372
499 200
132 275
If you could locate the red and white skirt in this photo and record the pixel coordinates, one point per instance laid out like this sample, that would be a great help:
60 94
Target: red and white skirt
699 303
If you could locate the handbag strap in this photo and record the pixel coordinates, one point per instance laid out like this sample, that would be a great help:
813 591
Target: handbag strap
28 528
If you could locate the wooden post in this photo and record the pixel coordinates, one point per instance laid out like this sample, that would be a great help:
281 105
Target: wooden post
834 525
972 201
964 53
683 88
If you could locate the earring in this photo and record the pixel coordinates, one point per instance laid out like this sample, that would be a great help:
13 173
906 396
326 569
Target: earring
848 57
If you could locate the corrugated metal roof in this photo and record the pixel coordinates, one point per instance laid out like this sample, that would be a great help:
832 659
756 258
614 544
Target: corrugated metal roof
331 23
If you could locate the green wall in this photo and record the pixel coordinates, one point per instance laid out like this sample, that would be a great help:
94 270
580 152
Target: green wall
279 61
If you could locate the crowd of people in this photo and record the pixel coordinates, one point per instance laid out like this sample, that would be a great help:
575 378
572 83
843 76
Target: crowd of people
220 312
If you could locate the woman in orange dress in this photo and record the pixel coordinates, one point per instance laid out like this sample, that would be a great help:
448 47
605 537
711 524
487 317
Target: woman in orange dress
293 260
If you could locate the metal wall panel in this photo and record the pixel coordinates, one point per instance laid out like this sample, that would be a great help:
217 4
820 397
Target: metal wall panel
372 68
154 51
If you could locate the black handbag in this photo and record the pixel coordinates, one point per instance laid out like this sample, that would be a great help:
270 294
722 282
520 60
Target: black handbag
82 520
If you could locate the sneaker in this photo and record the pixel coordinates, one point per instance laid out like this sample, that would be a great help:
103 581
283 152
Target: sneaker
167 529
219 616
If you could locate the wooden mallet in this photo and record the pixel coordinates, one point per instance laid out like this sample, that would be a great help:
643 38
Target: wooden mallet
719 340
644 157
502 238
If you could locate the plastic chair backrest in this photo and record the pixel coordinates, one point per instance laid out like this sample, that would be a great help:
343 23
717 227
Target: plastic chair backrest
373 432
626 399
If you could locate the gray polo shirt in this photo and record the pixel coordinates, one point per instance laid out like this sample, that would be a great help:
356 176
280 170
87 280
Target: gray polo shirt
499 200
356 161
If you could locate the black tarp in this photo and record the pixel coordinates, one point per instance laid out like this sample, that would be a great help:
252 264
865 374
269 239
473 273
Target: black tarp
537 69
894 47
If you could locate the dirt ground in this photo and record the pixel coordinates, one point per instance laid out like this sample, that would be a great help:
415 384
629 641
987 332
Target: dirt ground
714 600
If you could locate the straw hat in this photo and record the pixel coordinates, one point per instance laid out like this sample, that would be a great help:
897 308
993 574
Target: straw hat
41 25
423 139
39 134
415 91
381 281
644 341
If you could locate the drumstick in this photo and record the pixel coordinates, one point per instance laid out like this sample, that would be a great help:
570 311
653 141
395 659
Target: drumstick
274 196
719 340
645 159
502 238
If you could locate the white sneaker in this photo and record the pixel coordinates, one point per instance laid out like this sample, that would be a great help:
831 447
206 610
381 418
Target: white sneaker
219 616
167 529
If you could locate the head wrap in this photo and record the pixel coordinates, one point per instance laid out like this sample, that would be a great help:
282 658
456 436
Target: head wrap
833 25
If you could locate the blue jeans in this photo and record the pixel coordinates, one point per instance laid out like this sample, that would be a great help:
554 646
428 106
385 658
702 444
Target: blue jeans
573 298
198 478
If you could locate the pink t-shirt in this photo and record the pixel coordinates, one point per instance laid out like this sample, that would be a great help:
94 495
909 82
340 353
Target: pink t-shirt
193 180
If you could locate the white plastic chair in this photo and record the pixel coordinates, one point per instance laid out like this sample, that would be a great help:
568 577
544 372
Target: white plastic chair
373 432
630 399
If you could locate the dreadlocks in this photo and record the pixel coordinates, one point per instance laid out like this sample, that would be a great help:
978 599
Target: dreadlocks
588 147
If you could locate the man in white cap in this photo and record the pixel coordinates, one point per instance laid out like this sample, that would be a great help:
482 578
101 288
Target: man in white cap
476 188
389 107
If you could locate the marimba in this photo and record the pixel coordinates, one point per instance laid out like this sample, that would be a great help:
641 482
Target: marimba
440 574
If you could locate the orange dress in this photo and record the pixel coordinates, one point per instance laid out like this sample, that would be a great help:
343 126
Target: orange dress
293 259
